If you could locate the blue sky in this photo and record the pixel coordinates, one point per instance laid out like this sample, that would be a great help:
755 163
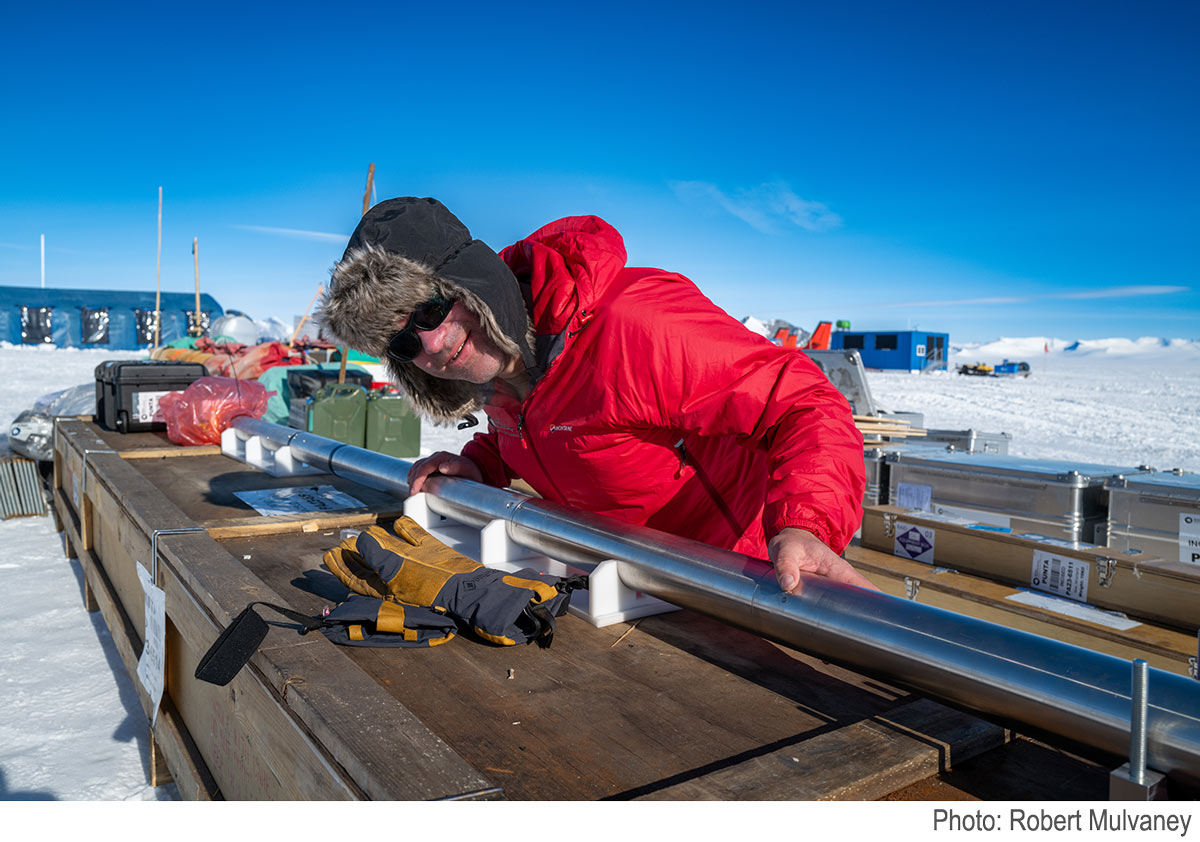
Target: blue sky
984 168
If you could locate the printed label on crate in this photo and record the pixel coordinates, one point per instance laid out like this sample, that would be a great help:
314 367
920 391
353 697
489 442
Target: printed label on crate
145 405
913 496
1060 575
973 515
1099 616
290 501
912 541
1189 537
152 663
1055 542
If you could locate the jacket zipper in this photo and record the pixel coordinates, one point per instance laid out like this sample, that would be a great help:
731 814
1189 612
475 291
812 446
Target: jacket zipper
702 475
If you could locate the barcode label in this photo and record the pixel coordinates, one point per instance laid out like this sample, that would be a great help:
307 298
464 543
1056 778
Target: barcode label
1060 575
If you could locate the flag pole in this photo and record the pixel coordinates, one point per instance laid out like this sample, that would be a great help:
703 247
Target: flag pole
195 329
158 276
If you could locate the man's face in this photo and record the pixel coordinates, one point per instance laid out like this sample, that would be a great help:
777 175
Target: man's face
459 349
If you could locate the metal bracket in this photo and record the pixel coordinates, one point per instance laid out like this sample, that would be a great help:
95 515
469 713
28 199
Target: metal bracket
1105 569
154 546
889 525
911 587
1134 781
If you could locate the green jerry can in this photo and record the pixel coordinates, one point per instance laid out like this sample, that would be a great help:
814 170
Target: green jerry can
339 412
392 426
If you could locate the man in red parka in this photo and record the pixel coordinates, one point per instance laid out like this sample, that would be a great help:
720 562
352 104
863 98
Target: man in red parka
617 390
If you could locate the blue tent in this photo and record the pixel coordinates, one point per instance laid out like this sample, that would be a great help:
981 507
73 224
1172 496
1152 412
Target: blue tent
96 318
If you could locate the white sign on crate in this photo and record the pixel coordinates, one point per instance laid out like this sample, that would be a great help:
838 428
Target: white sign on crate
151 666
1060 575
912 541
1189 537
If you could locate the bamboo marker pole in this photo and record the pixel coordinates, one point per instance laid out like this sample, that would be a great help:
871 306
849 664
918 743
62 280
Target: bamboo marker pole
195 329
158 277
304 318
366 207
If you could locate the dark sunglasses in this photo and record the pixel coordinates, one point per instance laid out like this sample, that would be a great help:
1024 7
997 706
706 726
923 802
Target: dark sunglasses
405 345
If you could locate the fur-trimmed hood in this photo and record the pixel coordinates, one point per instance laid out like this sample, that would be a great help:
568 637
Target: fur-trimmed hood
403 252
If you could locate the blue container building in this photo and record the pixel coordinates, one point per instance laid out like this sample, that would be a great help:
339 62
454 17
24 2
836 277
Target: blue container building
97 318
904 350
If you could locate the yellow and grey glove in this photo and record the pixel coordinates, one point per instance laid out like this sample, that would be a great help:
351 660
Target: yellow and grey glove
406 564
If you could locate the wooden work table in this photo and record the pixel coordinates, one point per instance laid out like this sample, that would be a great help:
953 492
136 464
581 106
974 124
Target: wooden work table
675 706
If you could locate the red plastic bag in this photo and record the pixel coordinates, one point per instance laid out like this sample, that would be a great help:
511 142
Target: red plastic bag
206 408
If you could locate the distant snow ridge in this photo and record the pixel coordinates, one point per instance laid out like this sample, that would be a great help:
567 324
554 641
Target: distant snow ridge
1034 348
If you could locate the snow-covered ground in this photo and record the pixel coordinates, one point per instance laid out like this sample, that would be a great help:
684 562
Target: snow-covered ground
70 723
1113 401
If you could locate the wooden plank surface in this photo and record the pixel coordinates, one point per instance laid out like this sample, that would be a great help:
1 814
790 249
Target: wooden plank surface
672 706
276 731
170 734
675 706
205 487
1164 648
1162 591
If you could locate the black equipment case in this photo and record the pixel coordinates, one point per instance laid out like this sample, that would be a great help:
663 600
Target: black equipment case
127 391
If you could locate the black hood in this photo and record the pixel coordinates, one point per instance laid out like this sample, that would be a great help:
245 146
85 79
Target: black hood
402 252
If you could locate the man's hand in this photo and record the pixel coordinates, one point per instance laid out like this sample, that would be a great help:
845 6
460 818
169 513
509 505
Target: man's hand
442 462
796 551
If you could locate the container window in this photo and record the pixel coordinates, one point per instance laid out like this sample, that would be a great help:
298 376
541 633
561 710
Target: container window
852 341
35 325
202 328
95 325
145 322
886 342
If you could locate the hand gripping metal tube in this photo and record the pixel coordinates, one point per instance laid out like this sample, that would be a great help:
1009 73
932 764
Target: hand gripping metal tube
1001 673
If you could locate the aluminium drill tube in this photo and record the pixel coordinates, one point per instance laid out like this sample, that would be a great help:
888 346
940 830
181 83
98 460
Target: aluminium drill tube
996 671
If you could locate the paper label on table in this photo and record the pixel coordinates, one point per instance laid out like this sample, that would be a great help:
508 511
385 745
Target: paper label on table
145 405
1189 537
151 666
912 541
913 496
1060 575
1112 619
298 500
973 515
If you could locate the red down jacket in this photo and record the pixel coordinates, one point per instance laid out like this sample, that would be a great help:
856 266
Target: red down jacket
663 410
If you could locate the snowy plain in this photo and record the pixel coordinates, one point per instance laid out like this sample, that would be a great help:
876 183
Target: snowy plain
71 727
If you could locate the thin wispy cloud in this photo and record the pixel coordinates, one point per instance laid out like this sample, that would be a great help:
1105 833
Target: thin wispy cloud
769 207
1107 292
1123 292
957 301
295 233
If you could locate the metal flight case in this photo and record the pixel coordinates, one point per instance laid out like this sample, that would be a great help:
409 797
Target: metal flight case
1057 498
1158 514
